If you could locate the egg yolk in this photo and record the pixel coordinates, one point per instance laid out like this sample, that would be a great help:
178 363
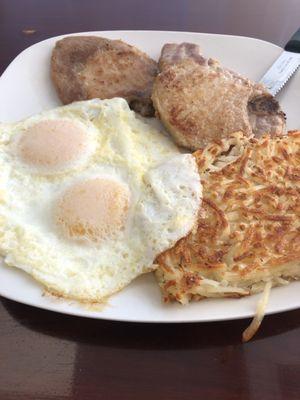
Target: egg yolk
52 144
93 210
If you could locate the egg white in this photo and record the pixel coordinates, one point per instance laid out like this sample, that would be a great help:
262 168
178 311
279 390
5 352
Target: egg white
165 198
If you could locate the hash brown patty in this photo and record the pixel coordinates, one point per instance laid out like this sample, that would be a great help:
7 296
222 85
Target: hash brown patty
249 227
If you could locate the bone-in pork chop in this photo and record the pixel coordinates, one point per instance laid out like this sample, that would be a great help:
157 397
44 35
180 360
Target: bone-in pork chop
87 67
199 101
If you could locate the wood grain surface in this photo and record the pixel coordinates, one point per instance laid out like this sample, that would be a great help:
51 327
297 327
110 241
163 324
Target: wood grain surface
46 356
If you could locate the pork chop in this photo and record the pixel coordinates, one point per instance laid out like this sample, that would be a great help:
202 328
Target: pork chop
87 67
198 100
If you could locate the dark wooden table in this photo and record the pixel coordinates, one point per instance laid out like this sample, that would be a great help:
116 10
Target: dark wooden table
44 355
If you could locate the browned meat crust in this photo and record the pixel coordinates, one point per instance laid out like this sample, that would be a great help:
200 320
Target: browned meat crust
199 101
86 67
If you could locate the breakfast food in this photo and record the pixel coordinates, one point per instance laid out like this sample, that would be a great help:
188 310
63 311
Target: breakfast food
249 227
90 195
87 67
199 101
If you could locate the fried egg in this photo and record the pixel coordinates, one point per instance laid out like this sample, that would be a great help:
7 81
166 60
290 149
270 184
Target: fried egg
90 194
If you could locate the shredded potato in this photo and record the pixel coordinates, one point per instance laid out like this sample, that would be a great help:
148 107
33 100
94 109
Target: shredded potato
260 313
249 227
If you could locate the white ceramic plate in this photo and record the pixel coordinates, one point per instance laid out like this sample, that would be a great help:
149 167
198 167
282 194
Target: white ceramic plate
25 89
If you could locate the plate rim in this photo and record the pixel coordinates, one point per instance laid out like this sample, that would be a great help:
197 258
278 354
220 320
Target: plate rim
95 315
90 33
